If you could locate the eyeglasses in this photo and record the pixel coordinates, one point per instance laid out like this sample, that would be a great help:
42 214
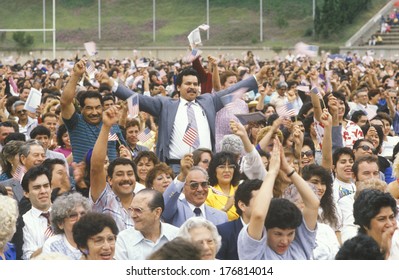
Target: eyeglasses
73 216
137 210
366 148
20 112
223 166
100 241
308 153
195 185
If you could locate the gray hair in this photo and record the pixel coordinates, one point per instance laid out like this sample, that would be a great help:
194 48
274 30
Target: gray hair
63 206
8 218
202 170
232 143
25 149
17 103
198 222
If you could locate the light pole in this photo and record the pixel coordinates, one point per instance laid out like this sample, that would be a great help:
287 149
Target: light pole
261 20
153 20
99 19
207 18
44 21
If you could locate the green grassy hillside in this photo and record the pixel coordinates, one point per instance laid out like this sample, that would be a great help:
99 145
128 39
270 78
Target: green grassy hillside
128 23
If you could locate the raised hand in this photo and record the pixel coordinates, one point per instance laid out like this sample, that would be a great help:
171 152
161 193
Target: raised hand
111 116
103 78
185 164
326 118
237 128
79 68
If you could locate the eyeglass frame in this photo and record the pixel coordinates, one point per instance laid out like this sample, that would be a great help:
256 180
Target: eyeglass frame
195 185
308 153
366 148
101 242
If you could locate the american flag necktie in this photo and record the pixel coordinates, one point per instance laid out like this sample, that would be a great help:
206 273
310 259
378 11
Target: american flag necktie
193 123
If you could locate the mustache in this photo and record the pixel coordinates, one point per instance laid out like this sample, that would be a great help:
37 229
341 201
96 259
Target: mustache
125 182
191 90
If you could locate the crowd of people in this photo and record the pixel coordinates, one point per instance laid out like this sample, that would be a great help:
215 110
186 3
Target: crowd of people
200 158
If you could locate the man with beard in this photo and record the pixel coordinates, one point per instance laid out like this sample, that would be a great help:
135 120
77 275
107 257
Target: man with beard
84 128
115 196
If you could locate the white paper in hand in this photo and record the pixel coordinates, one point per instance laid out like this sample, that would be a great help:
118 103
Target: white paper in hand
194 38
91 48
33 100
204 27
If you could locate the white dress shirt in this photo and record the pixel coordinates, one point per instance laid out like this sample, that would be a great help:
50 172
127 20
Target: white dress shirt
177 147
132 245
33 232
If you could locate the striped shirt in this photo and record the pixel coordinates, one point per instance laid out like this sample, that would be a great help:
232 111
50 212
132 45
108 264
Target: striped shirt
110 204
83 136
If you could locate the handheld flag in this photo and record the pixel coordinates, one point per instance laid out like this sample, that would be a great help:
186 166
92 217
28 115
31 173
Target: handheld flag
190 135
145 135
133 105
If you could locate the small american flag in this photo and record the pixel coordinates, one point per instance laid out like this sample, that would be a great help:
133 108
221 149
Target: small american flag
190 135
133 105
145 135
316 91
19 171
286 110
112 137
90 67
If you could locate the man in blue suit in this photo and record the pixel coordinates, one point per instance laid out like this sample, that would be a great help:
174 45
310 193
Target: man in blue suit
229 231
193 181
172 114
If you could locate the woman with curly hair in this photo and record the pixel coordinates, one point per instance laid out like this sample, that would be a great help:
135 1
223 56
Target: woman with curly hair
8 218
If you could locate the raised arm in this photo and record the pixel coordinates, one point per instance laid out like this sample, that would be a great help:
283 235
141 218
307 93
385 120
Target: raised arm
67 108
97 172
215 73
326 121
262 200
310 200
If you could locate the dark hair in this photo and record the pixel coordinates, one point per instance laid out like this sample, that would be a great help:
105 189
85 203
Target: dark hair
189 71
198 153
373 92
62 129
50 162
158 169
32 174
340 96
383 116
368 159
146 154
107 97
120 161
157 198
360 247
304 110
309 142
132 122
365 129
39 130
177 249
15 136
359 141
222 158
89 94
329 214
91 224
357 115
226 74
342 151
283 214
244 193
368 204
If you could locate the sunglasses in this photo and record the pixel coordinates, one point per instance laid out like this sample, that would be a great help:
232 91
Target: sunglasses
20 112
308 153
367 148
195 185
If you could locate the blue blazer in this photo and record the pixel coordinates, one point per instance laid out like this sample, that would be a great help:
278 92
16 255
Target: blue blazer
178 211
229 232
165 109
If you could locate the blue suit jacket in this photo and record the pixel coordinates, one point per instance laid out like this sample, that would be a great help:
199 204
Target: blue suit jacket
229 232
165 109
178 211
